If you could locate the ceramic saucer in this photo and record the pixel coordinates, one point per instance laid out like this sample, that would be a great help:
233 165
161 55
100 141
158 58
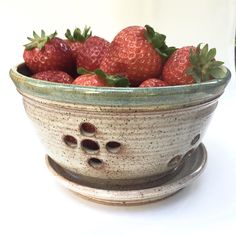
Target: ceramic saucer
191 169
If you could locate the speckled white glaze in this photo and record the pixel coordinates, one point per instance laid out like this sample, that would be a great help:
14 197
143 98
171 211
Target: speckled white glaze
157 128
193 167
149 137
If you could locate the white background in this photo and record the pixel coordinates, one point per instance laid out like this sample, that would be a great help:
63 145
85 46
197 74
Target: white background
32 203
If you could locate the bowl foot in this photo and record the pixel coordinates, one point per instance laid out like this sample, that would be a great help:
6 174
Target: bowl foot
191 169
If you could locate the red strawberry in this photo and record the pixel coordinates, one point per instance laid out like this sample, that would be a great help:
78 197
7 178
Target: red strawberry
99 78
175 69
47 53
137 53
89 80
54 76
92 52
76 40
153 82
190 64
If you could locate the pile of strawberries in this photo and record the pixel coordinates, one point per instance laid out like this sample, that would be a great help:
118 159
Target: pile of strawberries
137 56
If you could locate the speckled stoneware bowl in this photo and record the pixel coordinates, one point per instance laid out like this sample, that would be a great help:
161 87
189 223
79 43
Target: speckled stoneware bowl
120 141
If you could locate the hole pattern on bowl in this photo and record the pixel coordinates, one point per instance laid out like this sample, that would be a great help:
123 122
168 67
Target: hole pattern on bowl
89 146
87 129
70 141
95 163
113 147
195 139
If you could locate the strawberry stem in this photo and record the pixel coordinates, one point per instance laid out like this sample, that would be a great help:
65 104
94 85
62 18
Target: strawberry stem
111 80
158 42
39 41
83 71
78 35
204 66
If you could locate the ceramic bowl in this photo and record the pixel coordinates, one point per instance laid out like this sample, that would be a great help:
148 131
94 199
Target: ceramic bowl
118 137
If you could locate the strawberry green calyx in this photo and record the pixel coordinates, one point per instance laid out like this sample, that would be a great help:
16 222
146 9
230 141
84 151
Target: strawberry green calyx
78 35
204 66
83 71
111 80
158 42
39 41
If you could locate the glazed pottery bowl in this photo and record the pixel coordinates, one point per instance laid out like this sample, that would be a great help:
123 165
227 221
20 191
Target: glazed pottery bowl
118 137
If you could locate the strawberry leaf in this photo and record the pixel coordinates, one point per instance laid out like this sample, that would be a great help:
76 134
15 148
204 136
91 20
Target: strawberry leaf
211 54
193 57
35 35
158 42
100 73
118 81
113 80
216 64
83 71
39 41
170 50
205 77
219 72
203 64
79 36
195 74
69 35
43 35
204 51
87 32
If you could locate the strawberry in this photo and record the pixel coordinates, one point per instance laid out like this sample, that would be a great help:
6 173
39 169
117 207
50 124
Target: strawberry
92 52
89 80
153 82
76 40
190 64
54 76
99 78
47 53
175 69
137 53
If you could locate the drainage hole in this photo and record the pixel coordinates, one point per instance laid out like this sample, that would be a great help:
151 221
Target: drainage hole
90 146
174 161
70 141
113 147
95 163
195 139
87 129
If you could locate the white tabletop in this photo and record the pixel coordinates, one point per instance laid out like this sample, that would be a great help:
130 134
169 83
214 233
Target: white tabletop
33 203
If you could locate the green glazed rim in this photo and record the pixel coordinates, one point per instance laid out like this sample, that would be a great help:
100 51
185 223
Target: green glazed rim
170 96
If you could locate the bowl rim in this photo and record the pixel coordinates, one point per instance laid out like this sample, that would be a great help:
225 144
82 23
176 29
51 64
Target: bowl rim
120 89
117 95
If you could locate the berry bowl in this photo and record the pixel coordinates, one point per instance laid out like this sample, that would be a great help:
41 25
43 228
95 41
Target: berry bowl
121 145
